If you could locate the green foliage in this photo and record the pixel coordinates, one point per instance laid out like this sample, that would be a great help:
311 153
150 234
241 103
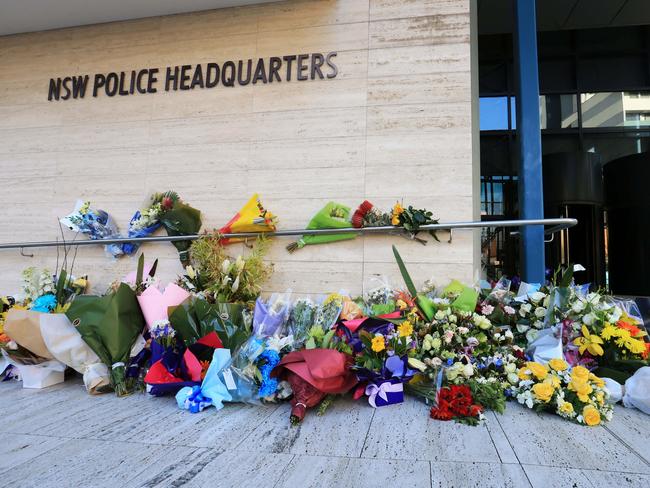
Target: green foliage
489 395
228 280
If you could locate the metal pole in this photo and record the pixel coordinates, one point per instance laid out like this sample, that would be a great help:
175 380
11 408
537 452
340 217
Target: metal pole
557 224
531 196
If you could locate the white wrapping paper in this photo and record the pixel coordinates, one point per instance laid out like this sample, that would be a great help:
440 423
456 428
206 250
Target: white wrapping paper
42 375
547 345
66 345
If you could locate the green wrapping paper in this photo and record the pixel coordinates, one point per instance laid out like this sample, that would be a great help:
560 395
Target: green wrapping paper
181 220
195 318
110 325
331 216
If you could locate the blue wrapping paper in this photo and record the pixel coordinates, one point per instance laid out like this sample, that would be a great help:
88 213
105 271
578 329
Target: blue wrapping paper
213 391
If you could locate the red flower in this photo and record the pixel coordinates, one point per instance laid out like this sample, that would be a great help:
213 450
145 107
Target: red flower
167 203
475 410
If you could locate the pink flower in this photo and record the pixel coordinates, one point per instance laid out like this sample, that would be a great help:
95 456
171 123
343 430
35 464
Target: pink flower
487 309
509 310
449 335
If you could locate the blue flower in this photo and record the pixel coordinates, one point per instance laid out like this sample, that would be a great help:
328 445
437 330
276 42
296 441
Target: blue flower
498 363
450 362
44 303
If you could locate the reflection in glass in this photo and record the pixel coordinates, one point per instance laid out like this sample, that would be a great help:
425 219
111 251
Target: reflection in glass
558 111
493 113
615 109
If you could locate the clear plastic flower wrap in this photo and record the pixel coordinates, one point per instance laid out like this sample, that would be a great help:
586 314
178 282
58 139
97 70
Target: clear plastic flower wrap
271 316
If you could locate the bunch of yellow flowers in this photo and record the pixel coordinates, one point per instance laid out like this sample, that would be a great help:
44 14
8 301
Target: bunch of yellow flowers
573 393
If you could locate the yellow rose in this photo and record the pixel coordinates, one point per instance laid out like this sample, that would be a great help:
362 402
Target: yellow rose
597 381
539 370
543 392
580 372
378 343
591 415
582 389
553 380
566 408
522 374
558 364
405 329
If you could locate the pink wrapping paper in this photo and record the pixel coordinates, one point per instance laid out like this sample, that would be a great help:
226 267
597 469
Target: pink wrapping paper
154 303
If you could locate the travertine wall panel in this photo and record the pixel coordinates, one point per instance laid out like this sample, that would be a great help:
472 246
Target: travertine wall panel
394 124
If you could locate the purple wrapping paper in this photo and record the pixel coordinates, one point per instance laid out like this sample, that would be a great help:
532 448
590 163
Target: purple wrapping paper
386 392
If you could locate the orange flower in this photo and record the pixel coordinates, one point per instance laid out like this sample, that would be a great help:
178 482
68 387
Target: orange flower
204 368
4 338
631 328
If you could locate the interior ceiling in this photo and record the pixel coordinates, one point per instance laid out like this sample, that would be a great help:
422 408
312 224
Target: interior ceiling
17 16
496 16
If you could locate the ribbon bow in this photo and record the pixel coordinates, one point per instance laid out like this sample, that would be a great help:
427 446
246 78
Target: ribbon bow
373 390
196 402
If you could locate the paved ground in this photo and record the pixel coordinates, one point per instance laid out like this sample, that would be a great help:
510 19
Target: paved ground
61 437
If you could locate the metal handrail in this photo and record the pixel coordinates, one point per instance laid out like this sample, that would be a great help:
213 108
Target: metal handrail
558 224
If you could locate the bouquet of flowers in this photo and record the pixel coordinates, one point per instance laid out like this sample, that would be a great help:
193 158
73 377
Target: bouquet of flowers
219 278
172 365
253 217
380 300
573 393
109 324
145 222
94 223
67 346
301 318
409 219
383 362
331 216
313 374
271 316
456 402
26 350
178 219
48 293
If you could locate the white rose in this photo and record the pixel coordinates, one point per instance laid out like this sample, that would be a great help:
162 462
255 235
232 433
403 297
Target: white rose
540 312
513 378
589 319
440 314
578 306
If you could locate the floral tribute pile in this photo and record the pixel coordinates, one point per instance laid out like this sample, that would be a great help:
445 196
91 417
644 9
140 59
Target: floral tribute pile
210 338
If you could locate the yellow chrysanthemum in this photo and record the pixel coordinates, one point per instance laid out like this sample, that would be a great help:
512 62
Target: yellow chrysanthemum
558 364
591 415
543 392
635 346
589 342
600 397
405 329
609 331
378 343
539 370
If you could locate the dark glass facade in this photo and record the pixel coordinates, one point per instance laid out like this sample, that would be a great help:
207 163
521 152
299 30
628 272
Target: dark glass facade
595 98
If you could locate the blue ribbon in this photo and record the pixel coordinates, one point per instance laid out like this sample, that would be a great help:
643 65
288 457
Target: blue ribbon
197 401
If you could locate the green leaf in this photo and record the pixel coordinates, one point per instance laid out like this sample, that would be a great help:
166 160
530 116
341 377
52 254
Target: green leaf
140 272
60 287
405 274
